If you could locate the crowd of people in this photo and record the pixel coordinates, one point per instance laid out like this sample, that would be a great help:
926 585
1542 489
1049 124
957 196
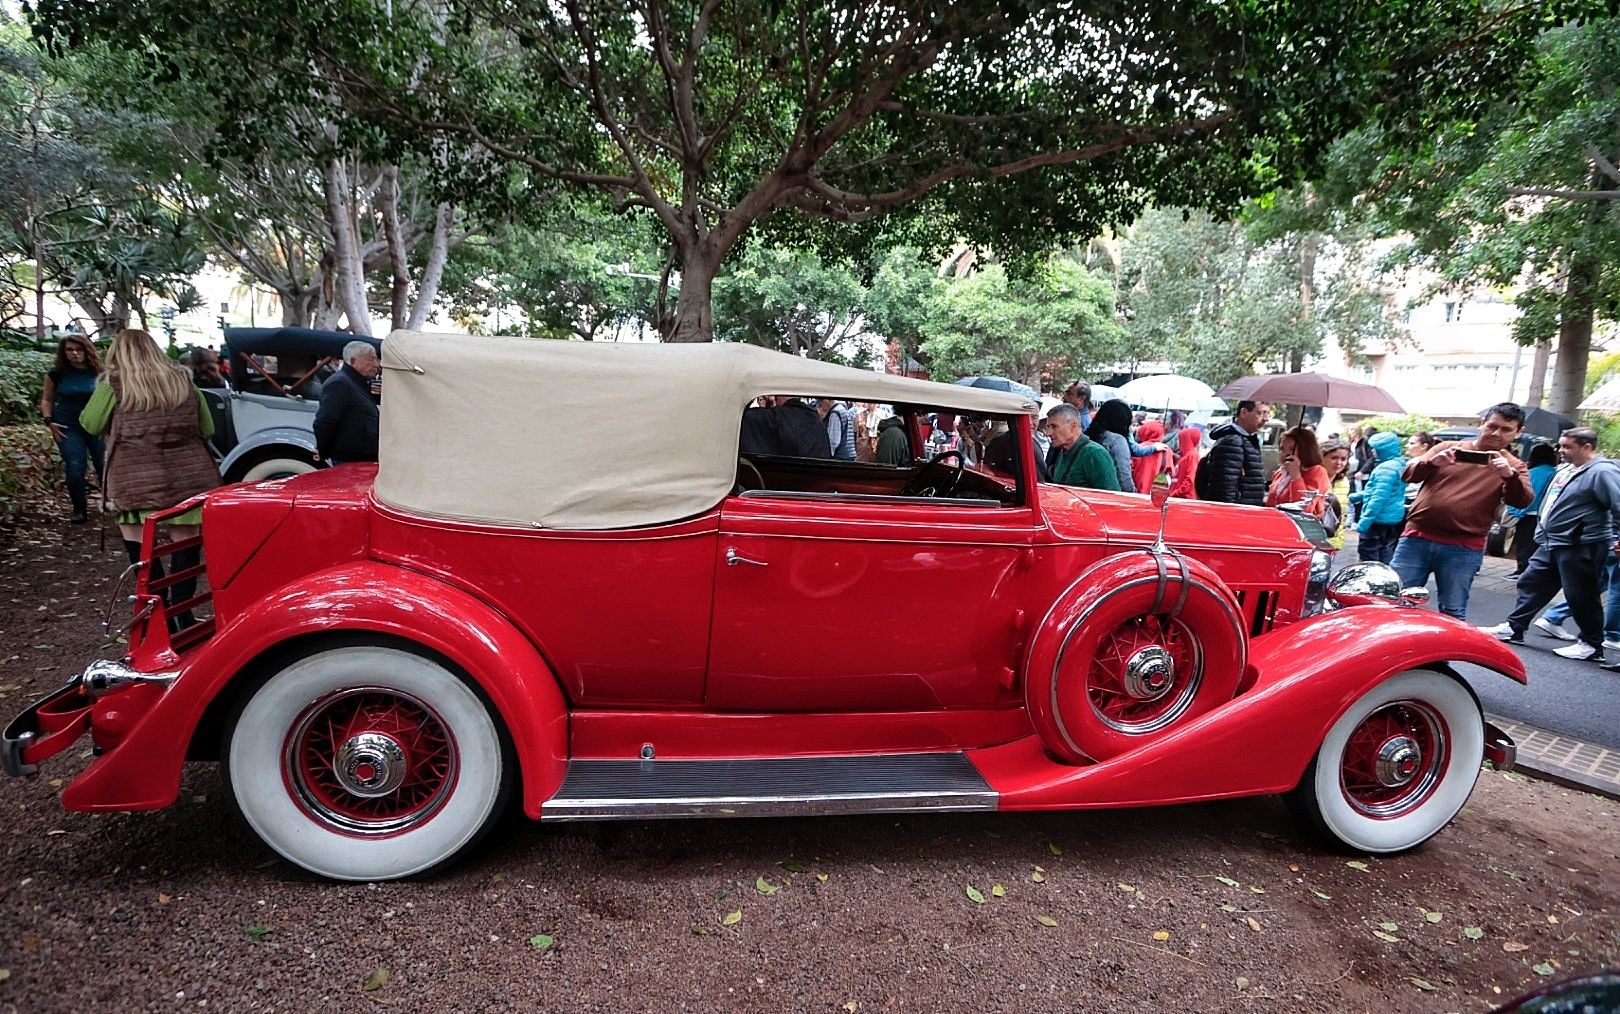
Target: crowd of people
1423 506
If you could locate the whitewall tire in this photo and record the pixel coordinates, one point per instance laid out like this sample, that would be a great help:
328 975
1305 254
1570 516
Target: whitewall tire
277 468
367 763
1397 766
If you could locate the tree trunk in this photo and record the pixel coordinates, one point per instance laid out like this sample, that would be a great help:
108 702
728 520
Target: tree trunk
694 307
444 220
351 280
1538 374
398 257
1574 336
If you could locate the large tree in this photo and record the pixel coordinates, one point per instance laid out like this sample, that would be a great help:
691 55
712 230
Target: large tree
1009 125
1523 198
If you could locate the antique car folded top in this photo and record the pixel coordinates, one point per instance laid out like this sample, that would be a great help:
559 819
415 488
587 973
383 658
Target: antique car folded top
564 588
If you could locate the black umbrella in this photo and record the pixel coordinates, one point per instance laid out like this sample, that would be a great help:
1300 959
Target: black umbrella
1538 422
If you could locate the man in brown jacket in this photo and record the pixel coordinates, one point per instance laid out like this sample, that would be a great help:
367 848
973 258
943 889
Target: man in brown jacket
1464 482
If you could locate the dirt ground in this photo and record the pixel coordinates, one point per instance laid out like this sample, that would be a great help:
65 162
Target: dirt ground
1204 908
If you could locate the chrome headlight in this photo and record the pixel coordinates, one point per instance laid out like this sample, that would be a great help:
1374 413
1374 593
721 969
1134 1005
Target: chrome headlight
1316 588
1363 583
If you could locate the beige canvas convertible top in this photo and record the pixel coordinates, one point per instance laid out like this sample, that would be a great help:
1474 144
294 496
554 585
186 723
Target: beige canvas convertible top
595 435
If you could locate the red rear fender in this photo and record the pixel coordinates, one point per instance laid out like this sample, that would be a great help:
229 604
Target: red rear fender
353 598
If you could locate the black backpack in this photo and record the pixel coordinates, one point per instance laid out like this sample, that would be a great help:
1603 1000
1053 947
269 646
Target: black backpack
1204 478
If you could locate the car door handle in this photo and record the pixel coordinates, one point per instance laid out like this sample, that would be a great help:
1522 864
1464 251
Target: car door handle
733 558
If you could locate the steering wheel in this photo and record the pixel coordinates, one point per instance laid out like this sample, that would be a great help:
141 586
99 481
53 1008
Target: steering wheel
915 488
759 479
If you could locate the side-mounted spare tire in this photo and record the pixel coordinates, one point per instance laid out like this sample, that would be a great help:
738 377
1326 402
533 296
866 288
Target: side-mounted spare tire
1139 644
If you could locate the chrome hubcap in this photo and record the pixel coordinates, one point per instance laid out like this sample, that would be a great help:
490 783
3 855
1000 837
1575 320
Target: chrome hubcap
1399 761
370 765
1149 673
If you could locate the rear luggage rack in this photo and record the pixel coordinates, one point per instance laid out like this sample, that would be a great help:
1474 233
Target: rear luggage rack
155 624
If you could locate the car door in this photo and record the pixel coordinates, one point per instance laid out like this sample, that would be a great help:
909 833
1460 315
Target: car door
853 603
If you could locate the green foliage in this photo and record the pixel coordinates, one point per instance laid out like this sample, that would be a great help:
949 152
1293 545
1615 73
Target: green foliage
1012 126
574 275
1405 425
1040 330
1507 198
794 302
28 467
22 379
1223 299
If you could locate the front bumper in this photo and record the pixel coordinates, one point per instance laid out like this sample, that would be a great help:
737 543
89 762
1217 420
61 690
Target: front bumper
1500 749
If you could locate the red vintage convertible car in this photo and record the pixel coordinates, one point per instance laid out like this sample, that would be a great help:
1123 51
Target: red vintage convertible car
563 585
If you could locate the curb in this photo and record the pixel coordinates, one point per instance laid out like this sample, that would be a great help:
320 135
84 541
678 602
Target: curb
1563 760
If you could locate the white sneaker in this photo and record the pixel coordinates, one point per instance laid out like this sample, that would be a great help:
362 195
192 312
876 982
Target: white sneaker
1504 632
1552 629
1580 651
1611 645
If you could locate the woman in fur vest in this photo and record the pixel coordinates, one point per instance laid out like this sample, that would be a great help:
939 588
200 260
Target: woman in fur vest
156 452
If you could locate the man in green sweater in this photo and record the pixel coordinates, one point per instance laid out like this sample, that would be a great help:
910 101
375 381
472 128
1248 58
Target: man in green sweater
1081 461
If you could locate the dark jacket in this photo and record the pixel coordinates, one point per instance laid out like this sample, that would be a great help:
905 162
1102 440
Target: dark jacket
792 428
893 446
346 422
1236 474
1586 510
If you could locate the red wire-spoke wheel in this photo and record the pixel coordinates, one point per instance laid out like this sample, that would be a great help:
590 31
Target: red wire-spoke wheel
1397 765
367 762
1393 759
370 761
1137 646
1146 674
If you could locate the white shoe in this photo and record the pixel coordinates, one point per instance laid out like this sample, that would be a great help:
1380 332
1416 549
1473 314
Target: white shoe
1611 645
1504 632
1580 651
1552 629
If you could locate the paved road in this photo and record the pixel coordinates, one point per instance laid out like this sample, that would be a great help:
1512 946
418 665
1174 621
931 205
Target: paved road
1573 698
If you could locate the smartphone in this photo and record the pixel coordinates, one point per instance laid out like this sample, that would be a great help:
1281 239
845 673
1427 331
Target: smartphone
1474 457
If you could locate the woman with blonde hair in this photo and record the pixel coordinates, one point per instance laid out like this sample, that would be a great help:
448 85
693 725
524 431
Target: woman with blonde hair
68 386
156 455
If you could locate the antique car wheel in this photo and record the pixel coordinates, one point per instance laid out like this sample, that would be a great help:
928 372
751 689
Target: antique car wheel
367 763
1110 671
277 468
1397 766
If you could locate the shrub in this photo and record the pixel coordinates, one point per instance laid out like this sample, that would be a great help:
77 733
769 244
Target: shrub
22 378
29 468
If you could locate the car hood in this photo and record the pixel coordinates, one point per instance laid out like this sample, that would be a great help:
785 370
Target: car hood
1085 515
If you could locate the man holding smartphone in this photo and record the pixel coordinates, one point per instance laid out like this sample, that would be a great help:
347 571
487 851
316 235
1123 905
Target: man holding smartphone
1464 482
1575 540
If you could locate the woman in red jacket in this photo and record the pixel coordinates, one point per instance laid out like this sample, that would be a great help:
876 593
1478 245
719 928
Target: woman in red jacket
1187 457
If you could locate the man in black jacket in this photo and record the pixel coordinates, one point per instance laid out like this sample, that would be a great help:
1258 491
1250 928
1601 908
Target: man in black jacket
1233 472
346 422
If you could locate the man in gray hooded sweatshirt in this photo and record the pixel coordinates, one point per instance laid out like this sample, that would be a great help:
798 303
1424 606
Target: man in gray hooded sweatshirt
1580 519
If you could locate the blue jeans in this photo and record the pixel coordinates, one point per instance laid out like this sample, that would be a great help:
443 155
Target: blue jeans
1608 577
1453 568
77 447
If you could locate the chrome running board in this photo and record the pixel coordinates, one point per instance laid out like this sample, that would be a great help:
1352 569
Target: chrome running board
777 786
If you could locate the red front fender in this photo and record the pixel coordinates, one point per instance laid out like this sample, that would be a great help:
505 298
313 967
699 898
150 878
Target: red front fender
143 772
1308 673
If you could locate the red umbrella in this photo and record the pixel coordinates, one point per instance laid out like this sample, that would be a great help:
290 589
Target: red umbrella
1311 389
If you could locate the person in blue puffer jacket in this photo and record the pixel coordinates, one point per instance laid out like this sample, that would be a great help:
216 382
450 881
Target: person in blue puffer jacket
1382 501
